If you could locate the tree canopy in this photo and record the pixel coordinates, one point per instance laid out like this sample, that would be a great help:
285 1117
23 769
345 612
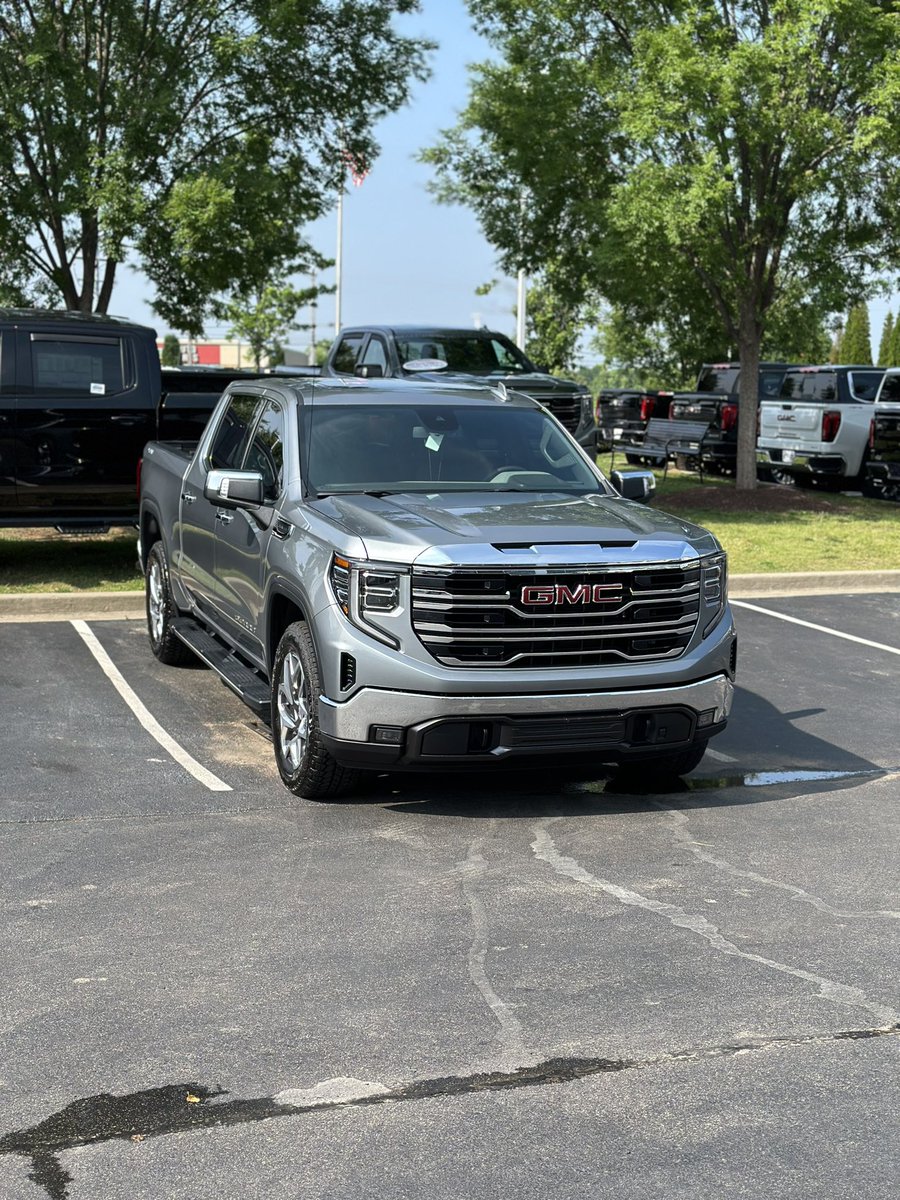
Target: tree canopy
748 150
198 135
856 344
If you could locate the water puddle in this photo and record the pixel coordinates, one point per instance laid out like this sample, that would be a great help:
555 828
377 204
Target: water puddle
621 785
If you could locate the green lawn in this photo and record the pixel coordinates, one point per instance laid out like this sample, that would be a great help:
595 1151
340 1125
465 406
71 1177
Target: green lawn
852 535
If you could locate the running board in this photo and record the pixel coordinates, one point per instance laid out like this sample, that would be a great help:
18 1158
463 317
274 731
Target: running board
243 680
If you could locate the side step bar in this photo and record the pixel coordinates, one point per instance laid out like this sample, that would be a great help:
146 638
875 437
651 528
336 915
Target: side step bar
243 680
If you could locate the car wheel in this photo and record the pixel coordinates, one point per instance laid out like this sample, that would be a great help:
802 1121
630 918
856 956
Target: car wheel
785 478
635 460
665 766
161 611
304 764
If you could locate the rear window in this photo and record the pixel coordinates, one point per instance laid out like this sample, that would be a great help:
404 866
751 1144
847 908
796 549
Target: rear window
809 385
864 384
890 389
70 366
718 379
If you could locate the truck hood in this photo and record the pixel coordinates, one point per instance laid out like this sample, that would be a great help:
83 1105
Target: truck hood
508 528
534 384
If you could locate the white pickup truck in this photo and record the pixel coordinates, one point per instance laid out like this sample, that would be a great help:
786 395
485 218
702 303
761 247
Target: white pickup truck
818 429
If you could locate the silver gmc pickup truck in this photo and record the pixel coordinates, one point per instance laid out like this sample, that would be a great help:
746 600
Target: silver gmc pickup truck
410 575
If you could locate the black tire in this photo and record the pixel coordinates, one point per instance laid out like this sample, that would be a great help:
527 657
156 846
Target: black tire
666 766
161 611
305 766
784 478
635 460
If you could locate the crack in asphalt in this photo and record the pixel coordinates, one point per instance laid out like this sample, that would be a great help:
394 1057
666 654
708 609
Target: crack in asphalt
184 1107
545 849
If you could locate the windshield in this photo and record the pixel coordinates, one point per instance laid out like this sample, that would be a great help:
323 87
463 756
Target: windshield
403 448
473 354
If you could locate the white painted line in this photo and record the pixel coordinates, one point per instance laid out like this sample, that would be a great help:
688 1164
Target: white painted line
849 637
146 718
718 755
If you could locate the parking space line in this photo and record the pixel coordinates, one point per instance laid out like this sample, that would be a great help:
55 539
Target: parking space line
850 637
146 718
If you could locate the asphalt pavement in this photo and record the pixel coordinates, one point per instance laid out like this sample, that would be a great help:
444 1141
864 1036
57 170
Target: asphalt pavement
537 984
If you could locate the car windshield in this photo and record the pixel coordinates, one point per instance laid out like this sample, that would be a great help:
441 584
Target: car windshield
455 447
473 354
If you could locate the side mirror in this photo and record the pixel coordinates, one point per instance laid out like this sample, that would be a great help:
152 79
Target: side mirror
370 371
634 485
234 489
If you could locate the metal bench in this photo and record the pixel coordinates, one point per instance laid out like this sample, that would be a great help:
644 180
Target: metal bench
663 439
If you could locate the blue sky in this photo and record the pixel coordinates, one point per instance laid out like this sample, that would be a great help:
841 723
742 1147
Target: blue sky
406 258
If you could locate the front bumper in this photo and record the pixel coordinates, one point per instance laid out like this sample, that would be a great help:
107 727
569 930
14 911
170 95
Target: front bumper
443 730
797 462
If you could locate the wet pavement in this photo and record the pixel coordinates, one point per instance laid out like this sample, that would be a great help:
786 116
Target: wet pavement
546 983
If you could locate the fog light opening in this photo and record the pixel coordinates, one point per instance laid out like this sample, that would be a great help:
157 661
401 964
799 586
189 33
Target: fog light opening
388 735
707 717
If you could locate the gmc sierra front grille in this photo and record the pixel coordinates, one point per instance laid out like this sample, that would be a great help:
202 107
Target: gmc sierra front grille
566 409
564 618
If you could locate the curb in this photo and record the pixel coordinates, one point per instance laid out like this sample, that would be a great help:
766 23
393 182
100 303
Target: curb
128 606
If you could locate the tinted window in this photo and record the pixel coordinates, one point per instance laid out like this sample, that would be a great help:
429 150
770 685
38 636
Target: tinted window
770 383
347 353
232 436
809 385
266 450
890 389
375 355
374 447
864 384
78 367
718 379
471 354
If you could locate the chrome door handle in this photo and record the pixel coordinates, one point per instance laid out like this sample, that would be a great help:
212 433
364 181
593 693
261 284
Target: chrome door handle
225 517
188 497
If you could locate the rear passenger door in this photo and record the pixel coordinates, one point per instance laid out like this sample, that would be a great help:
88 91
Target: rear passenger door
83 417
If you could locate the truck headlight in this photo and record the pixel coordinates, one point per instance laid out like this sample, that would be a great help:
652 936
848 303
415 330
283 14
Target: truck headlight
587 406
713 589
365 594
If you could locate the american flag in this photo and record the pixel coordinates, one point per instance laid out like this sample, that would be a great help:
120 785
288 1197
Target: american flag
358 169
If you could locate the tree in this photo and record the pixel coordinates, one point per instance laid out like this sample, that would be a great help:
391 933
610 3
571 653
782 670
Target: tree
264 317
555 318
198 136
171 351
749 146
856 345
894 354
884 346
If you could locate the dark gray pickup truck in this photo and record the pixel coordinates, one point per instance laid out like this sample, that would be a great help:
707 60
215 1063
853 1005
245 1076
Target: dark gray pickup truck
438 352
411 575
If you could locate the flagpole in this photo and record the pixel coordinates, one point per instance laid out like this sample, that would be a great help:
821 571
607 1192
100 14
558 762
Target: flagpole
338 264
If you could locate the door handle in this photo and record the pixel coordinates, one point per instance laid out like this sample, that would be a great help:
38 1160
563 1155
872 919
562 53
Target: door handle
188 497
225 517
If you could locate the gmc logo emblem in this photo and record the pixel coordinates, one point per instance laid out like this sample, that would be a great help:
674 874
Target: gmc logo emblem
789 417
582 593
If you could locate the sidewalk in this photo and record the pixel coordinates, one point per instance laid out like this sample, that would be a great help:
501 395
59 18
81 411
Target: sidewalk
127 606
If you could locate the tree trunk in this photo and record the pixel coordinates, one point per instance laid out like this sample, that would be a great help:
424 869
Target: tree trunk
749 338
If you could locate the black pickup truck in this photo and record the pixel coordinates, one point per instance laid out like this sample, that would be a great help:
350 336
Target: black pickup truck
715 400
882 474
438 353
80 396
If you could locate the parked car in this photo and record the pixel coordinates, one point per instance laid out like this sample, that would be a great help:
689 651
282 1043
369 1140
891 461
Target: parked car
409 575
882 465
716 401
818 430
622 415
436 352
80 396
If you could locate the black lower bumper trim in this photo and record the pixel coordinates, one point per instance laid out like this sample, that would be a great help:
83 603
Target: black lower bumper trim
583 737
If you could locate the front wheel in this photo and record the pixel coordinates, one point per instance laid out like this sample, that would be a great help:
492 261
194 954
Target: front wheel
161 611
304 764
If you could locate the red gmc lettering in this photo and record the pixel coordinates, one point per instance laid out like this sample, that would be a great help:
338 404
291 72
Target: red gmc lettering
583 593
